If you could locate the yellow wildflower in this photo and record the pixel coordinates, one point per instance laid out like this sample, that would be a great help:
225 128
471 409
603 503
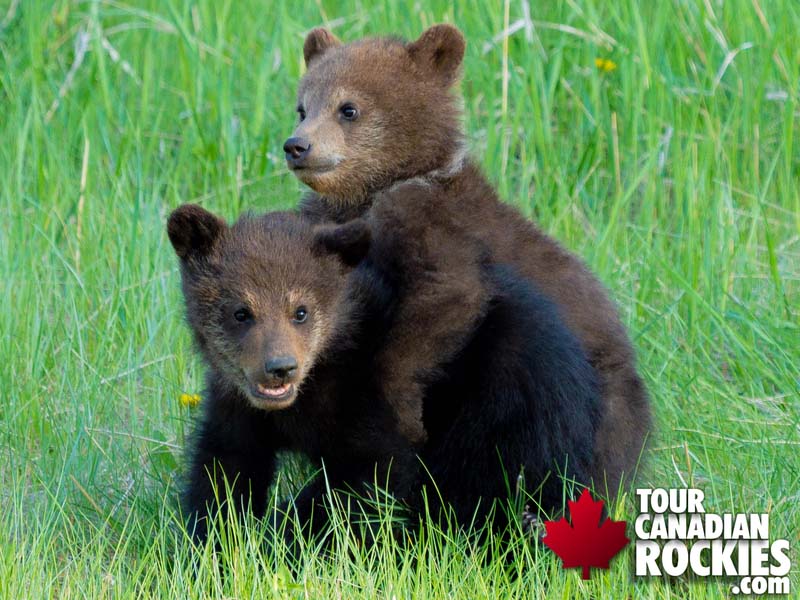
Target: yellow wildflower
189 400
606 65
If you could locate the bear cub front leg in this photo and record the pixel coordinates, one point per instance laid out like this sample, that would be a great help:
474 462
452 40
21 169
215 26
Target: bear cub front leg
231 462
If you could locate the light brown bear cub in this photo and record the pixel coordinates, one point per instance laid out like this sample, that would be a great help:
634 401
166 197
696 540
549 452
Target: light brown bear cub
380 137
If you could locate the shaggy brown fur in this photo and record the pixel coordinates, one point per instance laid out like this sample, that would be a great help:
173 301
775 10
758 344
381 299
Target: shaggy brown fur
236 274
519 400
380 133
442 292
244 286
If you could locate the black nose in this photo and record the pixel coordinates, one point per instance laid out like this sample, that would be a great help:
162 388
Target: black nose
281 367
296 148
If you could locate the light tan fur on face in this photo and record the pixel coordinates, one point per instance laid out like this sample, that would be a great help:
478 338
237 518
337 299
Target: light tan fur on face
409 122
338 155
275 334
269 266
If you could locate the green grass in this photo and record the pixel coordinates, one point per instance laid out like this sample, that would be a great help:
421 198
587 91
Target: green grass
676 176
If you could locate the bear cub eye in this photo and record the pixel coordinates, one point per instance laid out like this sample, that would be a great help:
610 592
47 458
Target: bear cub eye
301 112
242 315
300 314
348 112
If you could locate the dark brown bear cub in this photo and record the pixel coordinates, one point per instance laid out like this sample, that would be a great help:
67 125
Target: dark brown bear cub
290 318
379 121
267 299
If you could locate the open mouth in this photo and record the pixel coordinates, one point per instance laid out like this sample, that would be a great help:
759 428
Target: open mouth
274 396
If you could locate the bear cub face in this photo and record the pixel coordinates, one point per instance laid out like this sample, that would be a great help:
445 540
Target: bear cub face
375 111
265 295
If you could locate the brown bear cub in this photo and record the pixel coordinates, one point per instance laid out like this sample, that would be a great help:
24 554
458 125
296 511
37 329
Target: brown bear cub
289 318
379 136
267 300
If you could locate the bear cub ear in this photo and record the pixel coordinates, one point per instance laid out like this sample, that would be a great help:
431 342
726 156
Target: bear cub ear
439 51
193 231
350 242
318 41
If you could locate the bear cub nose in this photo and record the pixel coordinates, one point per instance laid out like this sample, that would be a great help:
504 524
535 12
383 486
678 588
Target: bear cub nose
296 149
282 367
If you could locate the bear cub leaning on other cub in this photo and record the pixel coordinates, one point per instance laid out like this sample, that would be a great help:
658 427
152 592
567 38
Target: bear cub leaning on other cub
289 316
378 119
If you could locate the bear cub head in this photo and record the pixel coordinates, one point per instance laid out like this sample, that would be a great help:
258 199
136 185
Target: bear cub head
376 111
264 296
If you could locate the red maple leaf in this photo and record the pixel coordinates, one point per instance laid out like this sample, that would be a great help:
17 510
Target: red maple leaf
587 542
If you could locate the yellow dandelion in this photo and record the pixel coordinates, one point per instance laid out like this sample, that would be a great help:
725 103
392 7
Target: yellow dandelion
606 65
189 400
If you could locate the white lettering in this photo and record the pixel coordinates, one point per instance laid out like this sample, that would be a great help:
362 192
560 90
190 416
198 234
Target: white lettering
778 550
674 558
647 559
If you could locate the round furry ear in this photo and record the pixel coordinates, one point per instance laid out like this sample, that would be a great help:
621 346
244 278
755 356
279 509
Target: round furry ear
193 230
318 41
350 242
439 51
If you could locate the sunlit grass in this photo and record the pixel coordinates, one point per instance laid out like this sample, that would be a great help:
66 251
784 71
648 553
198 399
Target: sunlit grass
675 174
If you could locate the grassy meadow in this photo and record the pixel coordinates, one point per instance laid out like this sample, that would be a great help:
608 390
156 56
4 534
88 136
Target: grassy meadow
658 140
